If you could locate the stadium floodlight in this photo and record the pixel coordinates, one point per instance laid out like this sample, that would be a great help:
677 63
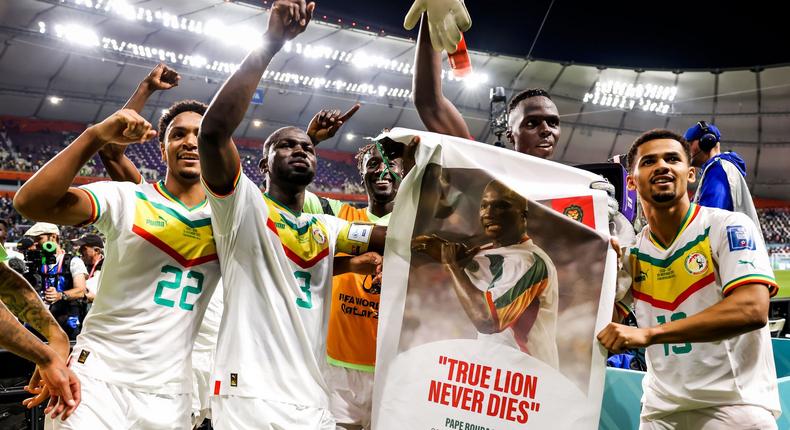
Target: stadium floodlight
350 136
154 53
55 100
474 79
622 95
234 35
76 34
257 123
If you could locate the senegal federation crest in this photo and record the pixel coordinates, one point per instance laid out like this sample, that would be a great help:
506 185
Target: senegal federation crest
574 212
319 236
696 263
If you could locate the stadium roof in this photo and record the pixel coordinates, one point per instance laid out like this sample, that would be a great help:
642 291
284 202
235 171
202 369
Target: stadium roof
93 58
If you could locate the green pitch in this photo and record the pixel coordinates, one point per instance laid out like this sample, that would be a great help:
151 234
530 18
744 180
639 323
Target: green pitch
783 279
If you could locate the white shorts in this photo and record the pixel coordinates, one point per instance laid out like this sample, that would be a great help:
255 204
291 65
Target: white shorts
201 387
242 413
351 395
741 417
115 407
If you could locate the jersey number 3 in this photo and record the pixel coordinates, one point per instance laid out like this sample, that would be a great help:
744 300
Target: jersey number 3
304 279
175 284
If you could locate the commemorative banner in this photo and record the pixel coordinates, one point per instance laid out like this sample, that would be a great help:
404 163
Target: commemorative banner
498 276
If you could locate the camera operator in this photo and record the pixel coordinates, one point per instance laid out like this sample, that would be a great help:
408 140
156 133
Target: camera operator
59 277
91 248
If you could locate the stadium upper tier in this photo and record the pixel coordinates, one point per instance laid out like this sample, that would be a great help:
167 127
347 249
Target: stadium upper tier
79 60
25 145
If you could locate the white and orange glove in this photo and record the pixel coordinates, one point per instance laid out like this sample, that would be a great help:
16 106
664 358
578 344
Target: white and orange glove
447 19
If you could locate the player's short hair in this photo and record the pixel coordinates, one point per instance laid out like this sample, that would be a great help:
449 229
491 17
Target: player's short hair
360 157
177 109
507 191
528 93
655 134
274 138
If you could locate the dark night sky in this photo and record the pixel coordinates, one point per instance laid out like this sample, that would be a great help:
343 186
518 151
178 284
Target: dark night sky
668 34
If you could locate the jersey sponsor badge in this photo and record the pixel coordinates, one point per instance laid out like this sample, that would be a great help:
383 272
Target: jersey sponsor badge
696 263
83 356
360 232
234 379
739 238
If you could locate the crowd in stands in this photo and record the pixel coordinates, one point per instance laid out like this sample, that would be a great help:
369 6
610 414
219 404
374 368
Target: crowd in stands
28 151
776 224
25 145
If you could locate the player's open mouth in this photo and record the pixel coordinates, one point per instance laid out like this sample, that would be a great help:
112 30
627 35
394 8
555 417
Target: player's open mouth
546 145
189 156
662 179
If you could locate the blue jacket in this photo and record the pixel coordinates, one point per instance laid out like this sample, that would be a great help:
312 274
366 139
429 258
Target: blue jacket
715 190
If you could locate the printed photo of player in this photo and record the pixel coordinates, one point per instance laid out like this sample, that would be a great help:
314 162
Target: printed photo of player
503 269
517 279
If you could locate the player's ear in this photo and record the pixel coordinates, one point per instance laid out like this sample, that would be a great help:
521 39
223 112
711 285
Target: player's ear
262 166
692 175
162 150
630 182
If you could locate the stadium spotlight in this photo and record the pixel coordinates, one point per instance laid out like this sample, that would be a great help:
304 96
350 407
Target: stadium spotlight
55 100
257 123
350 136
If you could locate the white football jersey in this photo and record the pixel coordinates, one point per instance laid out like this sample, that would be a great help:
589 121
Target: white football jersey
159 272
520 286
277 272
713 253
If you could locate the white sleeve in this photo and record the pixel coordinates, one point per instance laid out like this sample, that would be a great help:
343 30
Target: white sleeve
107 200
740 253
77 266
227 211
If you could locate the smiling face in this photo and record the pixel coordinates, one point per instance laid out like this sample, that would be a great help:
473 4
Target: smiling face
661 172
290 157
380 188
503 214
534 127
180 149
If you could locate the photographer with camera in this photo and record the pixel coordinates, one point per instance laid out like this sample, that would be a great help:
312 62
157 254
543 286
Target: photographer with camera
91 248
57 276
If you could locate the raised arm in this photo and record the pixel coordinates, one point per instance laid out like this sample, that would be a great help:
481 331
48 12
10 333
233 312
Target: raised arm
48 195
118 165
437 113
219 158
327 122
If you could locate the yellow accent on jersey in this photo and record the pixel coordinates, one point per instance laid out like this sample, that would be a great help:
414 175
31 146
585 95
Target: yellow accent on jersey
190 242
666 283
305 240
